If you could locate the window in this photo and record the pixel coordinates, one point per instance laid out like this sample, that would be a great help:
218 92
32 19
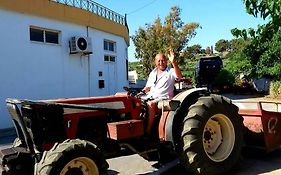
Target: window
101 84
100 73
109 45
52 37
109 58
36 35
44 35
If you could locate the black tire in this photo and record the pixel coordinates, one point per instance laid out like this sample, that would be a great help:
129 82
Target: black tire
212 136
72 157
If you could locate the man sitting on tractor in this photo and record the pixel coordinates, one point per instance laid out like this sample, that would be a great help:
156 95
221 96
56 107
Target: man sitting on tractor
160 84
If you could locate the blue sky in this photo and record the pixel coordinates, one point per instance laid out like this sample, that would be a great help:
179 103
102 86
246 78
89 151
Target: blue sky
216 17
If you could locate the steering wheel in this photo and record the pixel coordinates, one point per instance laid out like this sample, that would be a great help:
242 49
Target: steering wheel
134 92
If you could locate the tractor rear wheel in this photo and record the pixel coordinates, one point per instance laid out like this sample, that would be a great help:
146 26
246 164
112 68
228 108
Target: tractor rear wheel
72 157
212 136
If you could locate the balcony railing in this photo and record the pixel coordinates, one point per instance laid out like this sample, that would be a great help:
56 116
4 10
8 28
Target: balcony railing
95 8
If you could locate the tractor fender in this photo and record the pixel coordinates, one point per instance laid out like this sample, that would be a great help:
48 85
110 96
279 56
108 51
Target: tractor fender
172 123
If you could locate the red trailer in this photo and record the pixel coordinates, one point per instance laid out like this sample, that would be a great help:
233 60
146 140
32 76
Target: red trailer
263 121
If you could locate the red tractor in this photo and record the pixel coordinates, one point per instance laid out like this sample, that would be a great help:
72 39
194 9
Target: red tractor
76 135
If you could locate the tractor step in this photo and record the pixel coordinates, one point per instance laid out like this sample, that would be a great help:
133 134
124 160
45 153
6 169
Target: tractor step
16 160
11 153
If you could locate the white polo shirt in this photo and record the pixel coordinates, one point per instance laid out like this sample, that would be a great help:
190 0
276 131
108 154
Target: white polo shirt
161 87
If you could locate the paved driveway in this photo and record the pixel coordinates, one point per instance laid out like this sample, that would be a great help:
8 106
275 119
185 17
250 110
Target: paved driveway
251 164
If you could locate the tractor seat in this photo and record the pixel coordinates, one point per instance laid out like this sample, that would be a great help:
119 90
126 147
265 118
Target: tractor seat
168 105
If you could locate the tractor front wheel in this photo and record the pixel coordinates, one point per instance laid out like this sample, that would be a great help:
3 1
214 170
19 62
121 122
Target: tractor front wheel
212 136
72 157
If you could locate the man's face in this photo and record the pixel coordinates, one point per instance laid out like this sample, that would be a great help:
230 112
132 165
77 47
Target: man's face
161 62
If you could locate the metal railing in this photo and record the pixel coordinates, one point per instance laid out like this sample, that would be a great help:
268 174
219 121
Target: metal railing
95 8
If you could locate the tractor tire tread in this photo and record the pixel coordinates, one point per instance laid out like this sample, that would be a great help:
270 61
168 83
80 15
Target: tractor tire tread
59 150
191 136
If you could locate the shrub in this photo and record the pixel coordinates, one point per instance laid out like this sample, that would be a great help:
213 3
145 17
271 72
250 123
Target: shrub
224 77
224 80
275 89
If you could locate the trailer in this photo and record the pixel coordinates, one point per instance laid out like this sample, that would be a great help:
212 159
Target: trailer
262 120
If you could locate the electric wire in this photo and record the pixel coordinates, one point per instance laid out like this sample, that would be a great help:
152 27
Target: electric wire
140 8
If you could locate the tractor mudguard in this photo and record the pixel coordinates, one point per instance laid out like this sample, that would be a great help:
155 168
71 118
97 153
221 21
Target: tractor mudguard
166 128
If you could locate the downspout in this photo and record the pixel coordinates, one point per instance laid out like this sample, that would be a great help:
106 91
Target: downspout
126 24
89 71
127 59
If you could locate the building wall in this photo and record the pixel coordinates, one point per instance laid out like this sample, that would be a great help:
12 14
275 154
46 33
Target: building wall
32 70
116 70
67 13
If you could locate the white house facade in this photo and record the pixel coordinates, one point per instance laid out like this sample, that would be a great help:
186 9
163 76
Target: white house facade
42 56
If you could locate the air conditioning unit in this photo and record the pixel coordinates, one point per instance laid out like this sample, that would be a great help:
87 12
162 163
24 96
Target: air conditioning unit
79 44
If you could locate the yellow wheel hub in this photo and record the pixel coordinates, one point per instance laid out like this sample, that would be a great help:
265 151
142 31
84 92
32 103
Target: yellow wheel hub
80 166
218 137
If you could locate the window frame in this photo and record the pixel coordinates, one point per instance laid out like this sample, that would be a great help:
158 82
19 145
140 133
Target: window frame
45 35
109 60
106 45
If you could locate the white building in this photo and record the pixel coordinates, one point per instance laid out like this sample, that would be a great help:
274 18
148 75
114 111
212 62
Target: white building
35 54
133 77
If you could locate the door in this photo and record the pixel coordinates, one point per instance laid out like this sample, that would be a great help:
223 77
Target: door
110 78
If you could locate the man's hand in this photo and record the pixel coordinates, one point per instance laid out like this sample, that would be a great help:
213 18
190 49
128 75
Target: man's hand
171 55
145 90
140 94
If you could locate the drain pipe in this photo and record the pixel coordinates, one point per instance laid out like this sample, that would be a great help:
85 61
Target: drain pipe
89 70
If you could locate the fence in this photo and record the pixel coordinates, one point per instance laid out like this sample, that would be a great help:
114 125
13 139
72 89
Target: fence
95 8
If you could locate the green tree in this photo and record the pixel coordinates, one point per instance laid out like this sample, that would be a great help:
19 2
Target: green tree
194 50
159 37
262 52
238 43
222 45
265 9
236 60
138 67
208 51
190 54
270 61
